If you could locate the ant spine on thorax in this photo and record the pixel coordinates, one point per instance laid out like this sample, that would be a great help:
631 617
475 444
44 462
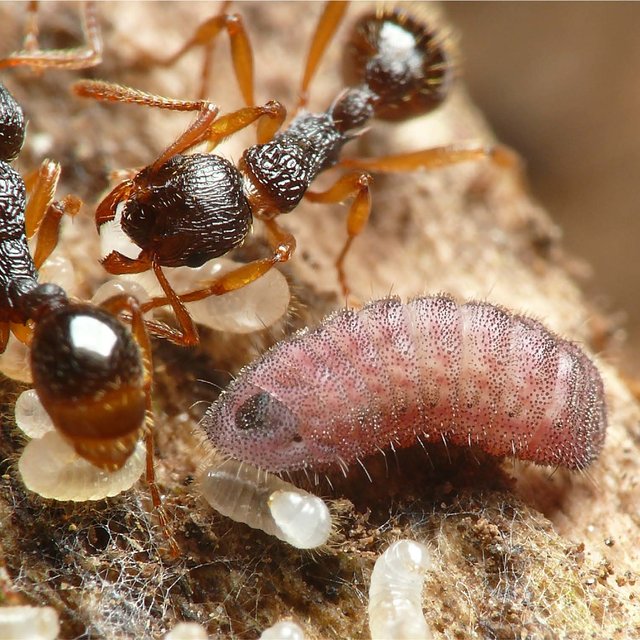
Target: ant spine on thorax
188 209
91 374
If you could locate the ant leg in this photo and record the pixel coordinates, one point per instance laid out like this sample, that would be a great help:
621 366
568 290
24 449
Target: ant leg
4 336
116 305
22 332
42 214
50 227
283 244
352 185
436 157
188 335
269 117
87 55
205 37
41 186
325 29
204 128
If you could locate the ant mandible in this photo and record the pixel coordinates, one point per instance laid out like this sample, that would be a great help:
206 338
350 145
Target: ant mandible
91 374
183 210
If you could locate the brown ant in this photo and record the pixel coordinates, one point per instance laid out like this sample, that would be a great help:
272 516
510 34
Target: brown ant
92 374
183 210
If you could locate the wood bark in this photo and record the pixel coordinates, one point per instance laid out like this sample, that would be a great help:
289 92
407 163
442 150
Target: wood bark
523 551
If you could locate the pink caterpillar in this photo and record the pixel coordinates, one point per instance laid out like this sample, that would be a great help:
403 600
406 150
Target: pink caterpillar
428 370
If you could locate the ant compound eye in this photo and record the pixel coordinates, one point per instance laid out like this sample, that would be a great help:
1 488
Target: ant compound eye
253 413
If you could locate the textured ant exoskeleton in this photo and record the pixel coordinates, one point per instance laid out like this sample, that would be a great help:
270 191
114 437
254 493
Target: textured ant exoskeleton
187 209
91 373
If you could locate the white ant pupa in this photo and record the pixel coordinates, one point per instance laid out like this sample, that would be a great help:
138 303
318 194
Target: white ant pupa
263 501
395 594
283 630
187 631
50 467
29 623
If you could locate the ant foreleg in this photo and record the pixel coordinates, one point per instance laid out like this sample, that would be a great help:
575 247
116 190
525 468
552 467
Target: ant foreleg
283 244
87 55
354 186
50 227
41 186
205 37
42 214
436 157
330 20
188 336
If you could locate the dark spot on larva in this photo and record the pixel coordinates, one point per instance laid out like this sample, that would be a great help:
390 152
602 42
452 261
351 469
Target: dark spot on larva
252 414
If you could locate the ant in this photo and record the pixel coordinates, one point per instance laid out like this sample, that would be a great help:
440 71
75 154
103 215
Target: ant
92 374
183 210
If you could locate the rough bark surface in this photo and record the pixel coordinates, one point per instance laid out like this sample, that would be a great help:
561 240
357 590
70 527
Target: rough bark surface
523 551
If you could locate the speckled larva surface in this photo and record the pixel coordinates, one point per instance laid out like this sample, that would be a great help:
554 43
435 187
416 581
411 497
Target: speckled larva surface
431 369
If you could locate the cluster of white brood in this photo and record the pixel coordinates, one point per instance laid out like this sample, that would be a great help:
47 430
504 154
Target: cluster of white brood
263 501
29 623
50 467
251 308
283 630
15 362
395 594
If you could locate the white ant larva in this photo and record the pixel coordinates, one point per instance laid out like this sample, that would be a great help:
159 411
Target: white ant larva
283 630
263 501
251 308
395 594
50 467
187 631
29 623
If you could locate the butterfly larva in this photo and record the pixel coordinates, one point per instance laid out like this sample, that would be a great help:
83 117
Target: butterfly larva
395 593
428 370
263 501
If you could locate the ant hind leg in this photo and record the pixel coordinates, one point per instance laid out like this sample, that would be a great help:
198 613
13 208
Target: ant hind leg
205 36
499 155
356 186
126 303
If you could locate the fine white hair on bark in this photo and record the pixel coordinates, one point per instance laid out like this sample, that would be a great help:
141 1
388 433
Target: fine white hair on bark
283 630
263 501
395 594
29 623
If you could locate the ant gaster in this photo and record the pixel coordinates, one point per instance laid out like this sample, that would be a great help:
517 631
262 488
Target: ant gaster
183 210
91 374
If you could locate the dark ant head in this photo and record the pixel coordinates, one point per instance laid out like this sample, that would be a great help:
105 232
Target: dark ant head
186 211
88 373
12 126
401 60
